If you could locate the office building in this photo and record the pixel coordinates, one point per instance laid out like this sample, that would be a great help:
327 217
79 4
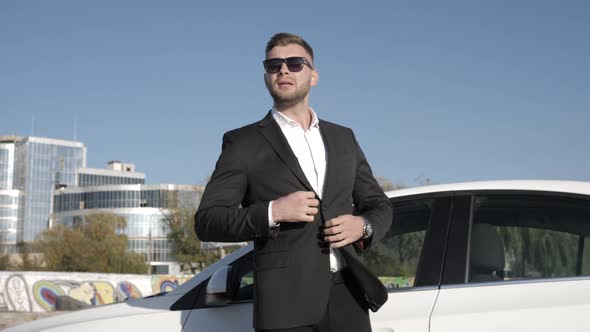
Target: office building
30 169
143 206
45 181
116 173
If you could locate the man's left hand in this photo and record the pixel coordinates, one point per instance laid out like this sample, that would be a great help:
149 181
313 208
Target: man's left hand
343 230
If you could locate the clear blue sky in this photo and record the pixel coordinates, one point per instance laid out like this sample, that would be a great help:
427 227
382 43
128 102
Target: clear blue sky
450 90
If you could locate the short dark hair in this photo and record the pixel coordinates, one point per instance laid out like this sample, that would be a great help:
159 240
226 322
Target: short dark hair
284 39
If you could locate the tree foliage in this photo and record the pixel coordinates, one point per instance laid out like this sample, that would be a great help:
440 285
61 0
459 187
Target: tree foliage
4 258
95 245
396 255
386 184
4 262
28 260
179 224
534 253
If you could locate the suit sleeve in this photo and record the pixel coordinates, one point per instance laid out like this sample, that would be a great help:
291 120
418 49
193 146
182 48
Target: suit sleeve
220 217
369 199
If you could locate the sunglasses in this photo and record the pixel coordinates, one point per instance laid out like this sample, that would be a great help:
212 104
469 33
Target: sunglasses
294 64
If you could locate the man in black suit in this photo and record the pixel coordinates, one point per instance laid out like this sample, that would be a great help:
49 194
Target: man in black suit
302 190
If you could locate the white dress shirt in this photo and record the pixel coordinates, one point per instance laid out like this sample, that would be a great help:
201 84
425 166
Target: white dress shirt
309 149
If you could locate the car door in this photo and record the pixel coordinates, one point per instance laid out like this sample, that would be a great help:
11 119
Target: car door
409 262
516 261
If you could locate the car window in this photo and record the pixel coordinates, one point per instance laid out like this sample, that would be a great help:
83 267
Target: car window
395 258
528 236
243 274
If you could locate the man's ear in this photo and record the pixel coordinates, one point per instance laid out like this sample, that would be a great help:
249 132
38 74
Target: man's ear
315 77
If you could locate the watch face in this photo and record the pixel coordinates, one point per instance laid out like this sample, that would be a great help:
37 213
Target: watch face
367 230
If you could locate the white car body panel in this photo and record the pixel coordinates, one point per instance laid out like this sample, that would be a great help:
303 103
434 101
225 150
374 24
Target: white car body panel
405 311
155 321
532 305
570 187
235 317
117 316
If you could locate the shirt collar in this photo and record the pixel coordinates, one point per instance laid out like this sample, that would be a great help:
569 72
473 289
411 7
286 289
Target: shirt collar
284 120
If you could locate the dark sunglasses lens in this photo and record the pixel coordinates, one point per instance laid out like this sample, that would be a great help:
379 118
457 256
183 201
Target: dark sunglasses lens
295 64
273 65
273 69
295 68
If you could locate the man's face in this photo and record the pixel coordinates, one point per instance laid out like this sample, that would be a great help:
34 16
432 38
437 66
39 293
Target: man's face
286 87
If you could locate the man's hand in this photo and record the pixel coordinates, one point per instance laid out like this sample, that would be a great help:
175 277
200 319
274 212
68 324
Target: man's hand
300 206
343 230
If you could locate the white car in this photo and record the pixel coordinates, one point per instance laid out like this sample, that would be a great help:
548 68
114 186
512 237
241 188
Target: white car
483 256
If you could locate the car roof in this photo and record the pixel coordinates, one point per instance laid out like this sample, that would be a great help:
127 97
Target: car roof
570 187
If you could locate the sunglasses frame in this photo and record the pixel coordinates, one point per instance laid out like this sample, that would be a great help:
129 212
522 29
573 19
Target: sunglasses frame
286 61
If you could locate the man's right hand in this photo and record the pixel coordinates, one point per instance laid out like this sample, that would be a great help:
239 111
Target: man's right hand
300 206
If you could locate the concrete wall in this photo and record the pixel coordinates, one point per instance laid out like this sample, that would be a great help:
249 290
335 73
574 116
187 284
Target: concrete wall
37 291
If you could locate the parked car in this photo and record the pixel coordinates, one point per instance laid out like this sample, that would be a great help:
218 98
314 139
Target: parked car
482 256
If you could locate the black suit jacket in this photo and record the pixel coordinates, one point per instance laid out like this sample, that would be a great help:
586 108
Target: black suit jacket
256 166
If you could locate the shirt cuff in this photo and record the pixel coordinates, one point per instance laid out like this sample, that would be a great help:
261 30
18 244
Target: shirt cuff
271 222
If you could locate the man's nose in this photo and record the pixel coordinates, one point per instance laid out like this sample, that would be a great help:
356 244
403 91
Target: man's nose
284 69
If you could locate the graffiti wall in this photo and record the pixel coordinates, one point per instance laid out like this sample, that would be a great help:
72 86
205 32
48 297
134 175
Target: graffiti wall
38 291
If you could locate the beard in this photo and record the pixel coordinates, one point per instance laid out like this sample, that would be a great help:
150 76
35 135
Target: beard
287 98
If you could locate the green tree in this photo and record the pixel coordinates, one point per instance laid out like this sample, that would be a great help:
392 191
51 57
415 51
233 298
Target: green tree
179 225
4 262
386 184
4 257
536 252
29 261
95 245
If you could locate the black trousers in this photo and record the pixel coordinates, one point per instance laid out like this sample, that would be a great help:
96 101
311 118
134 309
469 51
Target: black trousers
345 312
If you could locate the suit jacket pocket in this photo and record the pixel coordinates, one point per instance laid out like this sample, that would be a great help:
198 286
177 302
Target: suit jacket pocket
266 260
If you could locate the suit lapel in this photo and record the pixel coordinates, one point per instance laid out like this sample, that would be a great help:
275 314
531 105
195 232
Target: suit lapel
273 134
331 167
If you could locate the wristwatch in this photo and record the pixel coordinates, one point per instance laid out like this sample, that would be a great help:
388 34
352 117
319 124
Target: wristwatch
367 229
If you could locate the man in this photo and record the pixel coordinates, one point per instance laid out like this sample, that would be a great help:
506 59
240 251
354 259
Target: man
298 180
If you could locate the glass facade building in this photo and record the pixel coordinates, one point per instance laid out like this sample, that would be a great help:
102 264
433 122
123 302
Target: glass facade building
91 180
6 165
45 181
10 199
116 173
30 169
11 213
143 206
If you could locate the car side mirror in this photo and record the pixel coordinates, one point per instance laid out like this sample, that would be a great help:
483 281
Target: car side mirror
218 292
